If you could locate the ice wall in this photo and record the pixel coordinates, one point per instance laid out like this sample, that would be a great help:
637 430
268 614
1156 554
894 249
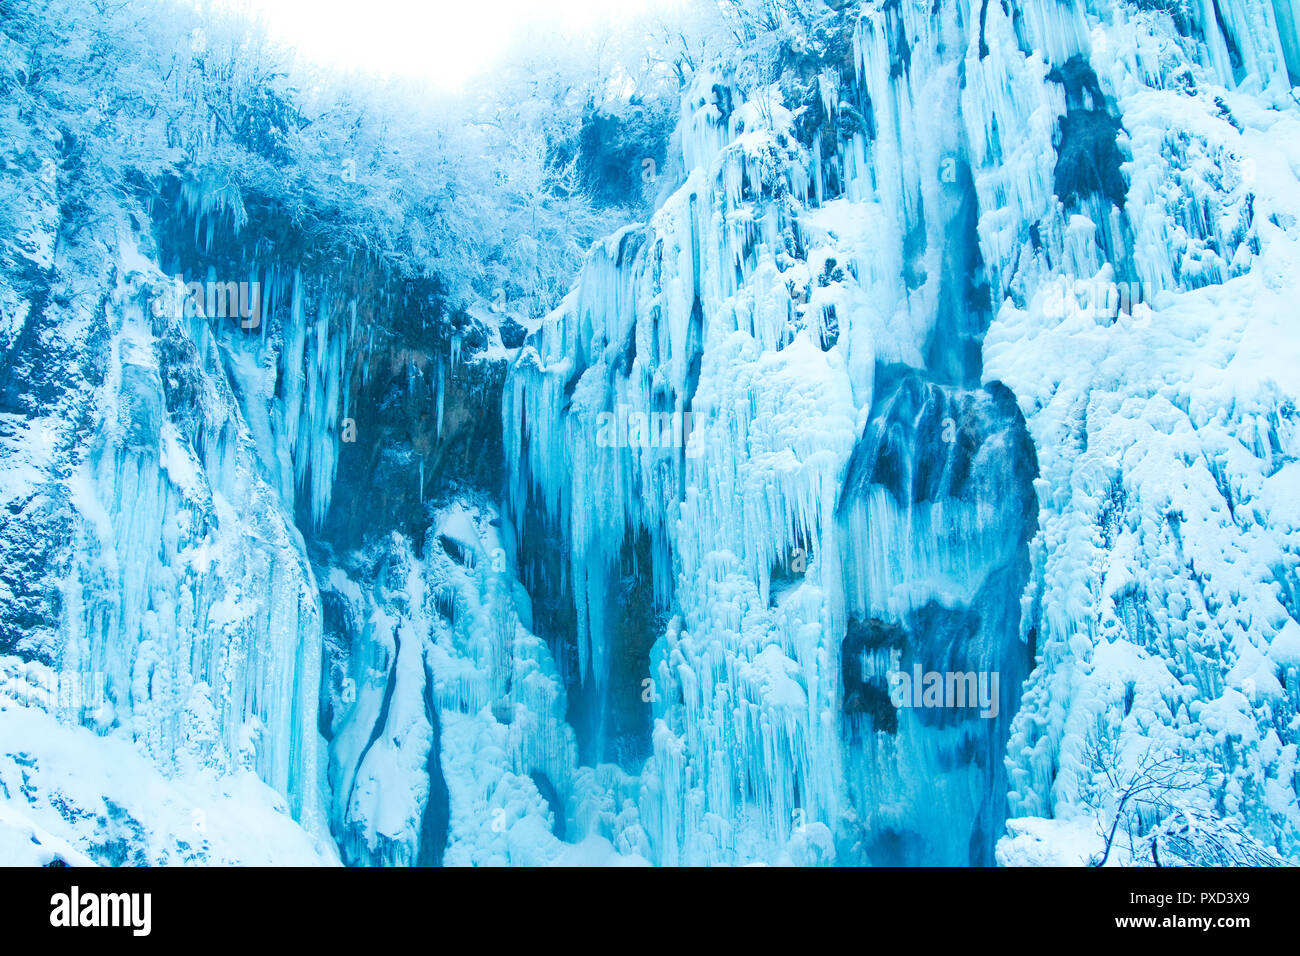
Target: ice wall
962 343
706 384
172 458
445 714
185 601
912 234
1134 337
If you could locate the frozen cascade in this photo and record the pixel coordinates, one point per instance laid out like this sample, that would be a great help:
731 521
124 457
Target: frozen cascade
202 439
959 343
446 714
818 305
939 506
188 604
1159 613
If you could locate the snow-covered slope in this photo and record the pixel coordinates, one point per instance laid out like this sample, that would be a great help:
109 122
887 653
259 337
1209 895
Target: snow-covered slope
69 795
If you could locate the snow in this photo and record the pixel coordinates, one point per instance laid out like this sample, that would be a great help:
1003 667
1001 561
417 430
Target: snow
70 795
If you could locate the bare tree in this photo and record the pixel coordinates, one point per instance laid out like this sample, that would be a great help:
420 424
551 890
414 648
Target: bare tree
1190 836
1163 802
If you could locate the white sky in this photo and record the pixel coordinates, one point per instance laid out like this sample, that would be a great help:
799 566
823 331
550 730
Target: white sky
443 41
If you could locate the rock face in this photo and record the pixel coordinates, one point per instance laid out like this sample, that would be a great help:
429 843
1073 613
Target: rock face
926 458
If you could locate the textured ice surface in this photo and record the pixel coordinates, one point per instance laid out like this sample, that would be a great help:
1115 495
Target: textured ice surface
1117 186
967 344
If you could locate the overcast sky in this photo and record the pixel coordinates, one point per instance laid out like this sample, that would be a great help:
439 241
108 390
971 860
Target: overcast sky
444 41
